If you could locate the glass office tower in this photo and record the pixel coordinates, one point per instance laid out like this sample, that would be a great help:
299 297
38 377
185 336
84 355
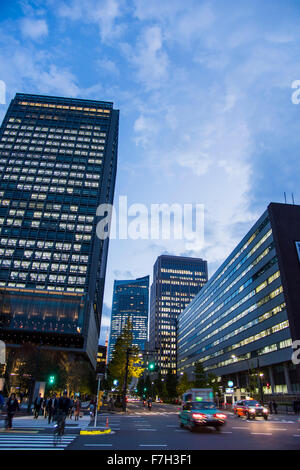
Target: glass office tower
130 301
176 281
244 320
58 159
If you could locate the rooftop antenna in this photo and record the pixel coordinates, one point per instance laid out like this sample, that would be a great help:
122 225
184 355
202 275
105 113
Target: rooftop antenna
284 197
293 198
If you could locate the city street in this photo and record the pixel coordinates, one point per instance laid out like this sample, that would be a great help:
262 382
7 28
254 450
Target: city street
157 429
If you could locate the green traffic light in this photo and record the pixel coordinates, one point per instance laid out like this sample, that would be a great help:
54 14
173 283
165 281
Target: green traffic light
151 366
51 379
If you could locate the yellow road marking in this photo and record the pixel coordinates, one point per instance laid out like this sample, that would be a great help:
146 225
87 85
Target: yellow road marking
88 433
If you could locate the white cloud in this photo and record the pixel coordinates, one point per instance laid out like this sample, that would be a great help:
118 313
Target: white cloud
33 28
148 58
108 65
104 14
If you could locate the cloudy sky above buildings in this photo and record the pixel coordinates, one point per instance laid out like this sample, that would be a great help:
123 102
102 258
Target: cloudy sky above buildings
205 99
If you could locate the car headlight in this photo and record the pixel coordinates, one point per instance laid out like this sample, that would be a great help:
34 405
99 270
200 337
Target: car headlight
265 410
252 410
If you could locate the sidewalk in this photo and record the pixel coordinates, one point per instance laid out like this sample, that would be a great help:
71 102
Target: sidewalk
41 422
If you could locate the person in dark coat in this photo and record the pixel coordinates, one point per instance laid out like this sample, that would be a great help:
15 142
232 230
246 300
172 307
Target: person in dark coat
52 407
271 407
37 405
12 406
64 404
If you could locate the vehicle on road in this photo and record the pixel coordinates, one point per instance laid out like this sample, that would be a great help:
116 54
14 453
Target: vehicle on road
198 394
251 409
198 414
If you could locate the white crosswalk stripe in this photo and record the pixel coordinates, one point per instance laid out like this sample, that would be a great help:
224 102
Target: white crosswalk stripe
33 442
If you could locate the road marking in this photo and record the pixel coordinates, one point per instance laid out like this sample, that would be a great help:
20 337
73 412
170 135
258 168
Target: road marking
153 445
226 432
262 433
171 425
239 427
146 429
296 435
97 445
279 429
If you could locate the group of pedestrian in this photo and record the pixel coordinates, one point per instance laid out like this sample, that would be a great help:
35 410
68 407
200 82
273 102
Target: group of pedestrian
273 407
50 405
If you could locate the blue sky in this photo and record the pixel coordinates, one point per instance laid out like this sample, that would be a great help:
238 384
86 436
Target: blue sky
204 92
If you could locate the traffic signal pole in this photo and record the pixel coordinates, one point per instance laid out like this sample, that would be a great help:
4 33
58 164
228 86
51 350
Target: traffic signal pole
98 389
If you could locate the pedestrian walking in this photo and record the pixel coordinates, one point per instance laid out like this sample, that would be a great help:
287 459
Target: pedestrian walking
1 401
12 406
52 407
77 409
275 407
92 410
44 407
271 407
71 407
37 406
111 403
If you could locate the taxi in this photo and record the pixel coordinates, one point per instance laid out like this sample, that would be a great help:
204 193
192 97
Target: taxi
194 415
251 409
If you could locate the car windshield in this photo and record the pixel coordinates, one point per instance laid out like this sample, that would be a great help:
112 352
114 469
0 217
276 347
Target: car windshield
204 405
252 403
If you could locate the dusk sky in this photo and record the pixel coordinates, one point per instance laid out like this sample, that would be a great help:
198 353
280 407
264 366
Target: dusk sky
204 90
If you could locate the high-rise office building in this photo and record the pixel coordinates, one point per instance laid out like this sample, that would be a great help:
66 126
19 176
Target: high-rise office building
101 359
176 281
58 159
130 301
243 322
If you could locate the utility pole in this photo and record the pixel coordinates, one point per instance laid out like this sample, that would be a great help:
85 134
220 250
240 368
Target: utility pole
99 376
260 383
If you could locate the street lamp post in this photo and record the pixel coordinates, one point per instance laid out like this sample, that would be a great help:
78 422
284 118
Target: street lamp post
260 382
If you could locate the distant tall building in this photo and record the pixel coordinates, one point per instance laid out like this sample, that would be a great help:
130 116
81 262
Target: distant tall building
58 159
130 301
176 281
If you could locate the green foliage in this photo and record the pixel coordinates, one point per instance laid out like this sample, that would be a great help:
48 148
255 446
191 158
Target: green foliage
117 365
31 362
171 384
200 376
140 386
148 385
183 385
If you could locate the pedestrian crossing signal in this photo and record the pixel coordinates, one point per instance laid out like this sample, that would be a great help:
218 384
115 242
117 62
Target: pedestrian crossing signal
51 379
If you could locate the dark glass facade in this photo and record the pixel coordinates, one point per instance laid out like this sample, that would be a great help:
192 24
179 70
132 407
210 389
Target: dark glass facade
176 281
130 301
58 159
247 315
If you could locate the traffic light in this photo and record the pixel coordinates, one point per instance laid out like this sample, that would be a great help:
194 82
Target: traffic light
151 366
51 379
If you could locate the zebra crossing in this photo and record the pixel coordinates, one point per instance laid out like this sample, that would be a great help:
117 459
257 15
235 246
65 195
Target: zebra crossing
10 441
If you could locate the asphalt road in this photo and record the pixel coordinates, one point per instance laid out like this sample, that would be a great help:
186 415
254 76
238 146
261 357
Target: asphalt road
156 430
159 429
